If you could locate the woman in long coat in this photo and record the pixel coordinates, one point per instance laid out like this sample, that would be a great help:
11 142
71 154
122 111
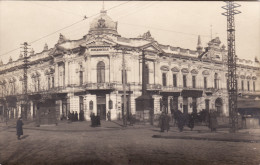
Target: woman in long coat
19 128
213 122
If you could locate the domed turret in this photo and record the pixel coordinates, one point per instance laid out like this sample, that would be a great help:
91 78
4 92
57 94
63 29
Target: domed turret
103 24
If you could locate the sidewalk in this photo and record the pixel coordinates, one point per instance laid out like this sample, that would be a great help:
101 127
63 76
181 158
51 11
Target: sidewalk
198 133
203 133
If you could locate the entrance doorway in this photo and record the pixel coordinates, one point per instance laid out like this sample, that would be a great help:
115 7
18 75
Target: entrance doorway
101 107
219 106
194 105
185 105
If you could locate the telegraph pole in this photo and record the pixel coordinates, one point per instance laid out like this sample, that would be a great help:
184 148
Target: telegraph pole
232 82
25 80
124 109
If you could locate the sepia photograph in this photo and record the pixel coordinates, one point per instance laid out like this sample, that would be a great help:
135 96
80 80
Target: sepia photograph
129 83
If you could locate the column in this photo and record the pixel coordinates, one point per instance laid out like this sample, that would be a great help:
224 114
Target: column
56 75
180 103
66 68
190 105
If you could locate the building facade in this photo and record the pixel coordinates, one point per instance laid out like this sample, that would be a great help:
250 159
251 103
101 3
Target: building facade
86 75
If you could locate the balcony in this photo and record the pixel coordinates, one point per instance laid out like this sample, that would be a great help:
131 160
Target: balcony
153 87
100 86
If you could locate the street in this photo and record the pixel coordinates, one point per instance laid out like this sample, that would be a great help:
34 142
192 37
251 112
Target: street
78 143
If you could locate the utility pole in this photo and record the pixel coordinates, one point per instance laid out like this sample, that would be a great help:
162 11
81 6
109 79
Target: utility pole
25 80
124 109
232 82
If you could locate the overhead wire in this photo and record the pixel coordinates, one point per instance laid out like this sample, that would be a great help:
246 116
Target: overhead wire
85 18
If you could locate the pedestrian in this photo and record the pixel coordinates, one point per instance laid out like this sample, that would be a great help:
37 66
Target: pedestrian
180 120
163 122
191 118
81 115
109 115
73 116
76 116
213 123
19 128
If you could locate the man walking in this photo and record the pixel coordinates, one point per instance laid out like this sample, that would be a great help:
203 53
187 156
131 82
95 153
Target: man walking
19 128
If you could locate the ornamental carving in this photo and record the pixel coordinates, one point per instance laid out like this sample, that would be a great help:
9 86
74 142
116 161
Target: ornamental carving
242 77
194 71
248 77
165 68
185 70
254 78
205 72
175 69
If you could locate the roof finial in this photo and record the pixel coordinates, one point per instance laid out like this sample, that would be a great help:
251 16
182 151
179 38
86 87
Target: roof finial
103 8
210 31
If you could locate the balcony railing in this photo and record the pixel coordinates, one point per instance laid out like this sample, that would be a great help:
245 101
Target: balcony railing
103 86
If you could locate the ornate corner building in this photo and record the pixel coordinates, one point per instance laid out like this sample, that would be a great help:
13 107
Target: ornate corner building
86 75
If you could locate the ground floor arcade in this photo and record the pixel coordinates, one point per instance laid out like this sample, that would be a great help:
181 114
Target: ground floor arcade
55 107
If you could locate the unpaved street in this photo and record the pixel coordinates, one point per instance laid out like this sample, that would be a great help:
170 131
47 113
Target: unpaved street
80 144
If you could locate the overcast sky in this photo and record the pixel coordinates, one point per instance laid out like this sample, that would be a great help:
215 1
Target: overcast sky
170 23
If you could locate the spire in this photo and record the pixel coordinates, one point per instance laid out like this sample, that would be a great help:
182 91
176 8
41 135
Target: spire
45 47
103 8
199 41
199 45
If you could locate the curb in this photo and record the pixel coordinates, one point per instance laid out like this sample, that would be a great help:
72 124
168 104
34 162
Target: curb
206 138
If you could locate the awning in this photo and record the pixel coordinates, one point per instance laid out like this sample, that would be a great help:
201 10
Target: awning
191 93
248 106
247 103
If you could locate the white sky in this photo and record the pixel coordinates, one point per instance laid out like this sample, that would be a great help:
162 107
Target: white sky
172 23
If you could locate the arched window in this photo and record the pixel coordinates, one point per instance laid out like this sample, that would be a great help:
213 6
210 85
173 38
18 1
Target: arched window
100 72
110 103
164 79
90 105
80 75
184 78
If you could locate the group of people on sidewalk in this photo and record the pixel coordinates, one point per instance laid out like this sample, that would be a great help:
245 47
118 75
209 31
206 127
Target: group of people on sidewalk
75 116
181 119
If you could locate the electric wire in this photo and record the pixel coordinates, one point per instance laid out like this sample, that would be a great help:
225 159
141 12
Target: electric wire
85 18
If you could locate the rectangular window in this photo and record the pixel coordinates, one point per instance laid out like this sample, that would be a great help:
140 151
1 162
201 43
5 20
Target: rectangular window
248 86
49 82
52 82
184 81
38 83
174 80
205 82
193 81
164 79
242 85
80 77
253 85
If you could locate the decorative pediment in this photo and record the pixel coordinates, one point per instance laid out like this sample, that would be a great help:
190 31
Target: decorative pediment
185 70
152 46
248 77
98 42
165 68
254 78
175 69
194 71
205 72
